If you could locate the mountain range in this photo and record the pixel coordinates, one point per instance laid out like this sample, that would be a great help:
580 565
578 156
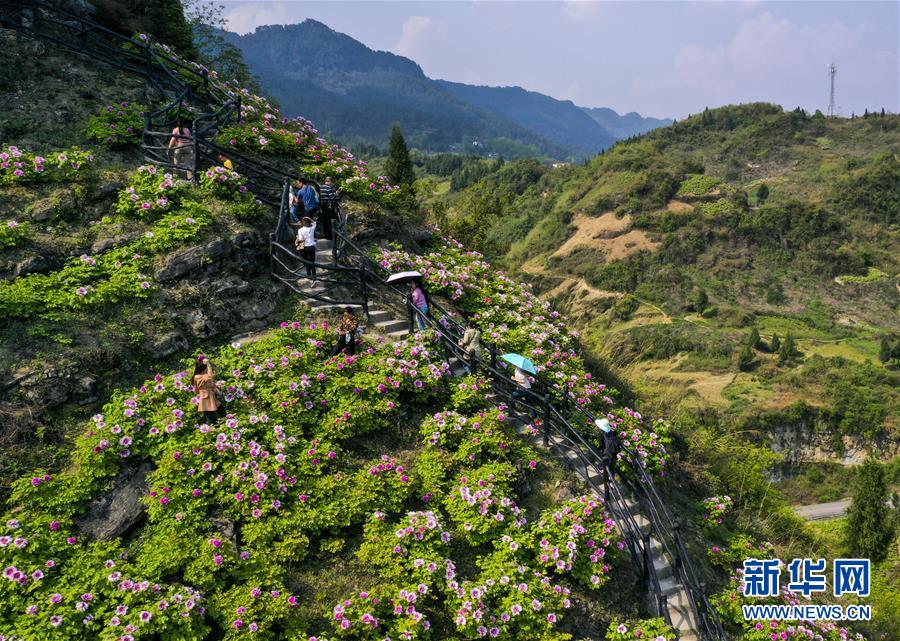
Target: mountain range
356 94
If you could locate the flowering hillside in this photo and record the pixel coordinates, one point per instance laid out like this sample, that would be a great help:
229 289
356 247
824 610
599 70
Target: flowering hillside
233 507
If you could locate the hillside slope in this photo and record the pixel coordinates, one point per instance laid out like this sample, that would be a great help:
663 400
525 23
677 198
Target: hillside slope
672 248
621 127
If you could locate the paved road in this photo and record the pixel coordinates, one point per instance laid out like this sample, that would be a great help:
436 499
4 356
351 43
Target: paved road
821 511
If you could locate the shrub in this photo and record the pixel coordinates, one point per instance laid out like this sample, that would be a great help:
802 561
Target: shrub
149 194
119 125
12 233
20 166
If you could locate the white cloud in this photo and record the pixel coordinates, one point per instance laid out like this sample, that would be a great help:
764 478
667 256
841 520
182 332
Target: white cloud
580 9
419 35
766 59
247 17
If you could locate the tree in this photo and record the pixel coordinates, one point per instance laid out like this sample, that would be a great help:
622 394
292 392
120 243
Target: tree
870 526
169 25
745 359
702 301
399 167
208 23
788 349
885 352
754 340
776 343
762 194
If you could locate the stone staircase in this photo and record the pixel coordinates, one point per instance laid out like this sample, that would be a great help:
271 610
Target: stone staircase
677 599
380 320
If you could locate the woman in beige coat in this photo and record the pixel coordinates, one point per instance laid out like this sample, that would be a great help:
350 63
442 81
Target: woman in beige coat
205 386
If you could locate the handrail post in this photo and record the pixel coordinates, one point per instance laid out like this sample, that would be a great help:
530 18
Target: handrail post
272 255
494 355
365 293
546 424
196 159
648 559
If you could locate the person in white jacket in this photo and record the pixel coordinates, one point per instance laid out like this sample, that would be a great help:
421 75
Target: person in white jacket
306 243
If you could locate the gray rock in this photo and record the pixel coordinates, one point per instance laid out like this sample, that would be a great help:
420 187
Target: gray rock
230 285
256 310
107 190
35 265
181 263
120 509
47 208
47 388
227 529
102 244
198 323
84 389
167 344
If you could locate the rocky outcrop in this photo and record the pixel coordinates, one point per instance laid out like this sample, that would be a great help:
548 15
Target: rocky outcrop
194 259
118 510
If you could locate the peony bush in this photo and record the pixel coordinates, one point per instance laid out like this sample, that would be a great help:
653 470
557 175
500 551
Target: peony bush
118 125
18 166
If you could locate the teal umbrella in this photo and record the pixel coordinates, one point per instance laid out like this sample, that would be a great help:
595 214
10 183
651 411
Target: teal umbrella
521 362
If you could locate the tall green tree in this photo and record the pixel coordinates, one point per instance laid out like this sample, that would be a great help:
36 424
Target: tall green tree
788 349
885 351
754 340
399 167
167 23
870 523
776 343
745 359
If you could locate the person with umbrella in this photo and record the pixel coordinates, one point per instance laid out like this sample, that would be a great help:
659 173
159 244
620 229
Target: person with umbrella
609 452
419 304
520 377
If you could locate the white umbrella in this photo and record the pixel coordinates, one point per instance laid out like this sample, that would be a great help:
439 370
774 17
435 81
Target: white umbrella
403 277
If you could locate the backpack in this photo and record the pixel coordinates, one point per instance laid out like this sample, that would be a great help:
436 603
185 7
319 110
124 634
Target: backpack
315 197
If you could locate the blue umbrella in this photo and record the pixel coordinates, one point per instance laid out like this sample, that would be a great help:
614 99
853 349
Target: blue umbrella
521 362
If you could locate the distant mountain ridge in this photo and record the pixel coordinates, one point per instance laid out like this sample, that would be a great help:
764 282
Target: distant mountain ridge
356 94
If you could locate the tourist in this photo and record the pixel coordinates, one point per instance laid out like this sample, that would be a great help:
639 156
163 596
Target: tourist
205 385
419 304
307 193
609 452
306 243
181 144
523 390
296 204
226 162
471 344
328 207
347 333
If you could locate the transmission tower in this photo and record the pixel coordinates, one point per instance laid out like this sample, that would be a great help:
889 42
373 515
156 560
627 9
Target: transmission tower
832 69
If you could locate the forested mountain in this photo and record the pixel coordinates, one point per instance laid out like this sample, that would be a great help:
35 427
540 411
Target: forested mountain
560 120
631 124
356 94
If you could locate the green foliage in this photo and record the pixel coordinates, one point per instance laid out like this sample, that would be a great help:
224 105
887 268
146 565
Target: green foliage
229 186
118 125
762 194
13 233
775 346
873 190
697 185
754 341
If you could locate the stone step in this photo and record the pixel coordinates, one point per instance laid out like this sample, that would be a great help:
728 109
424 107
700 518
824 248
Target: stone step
378 315
398 336
669 585
322 244
663 567
392 325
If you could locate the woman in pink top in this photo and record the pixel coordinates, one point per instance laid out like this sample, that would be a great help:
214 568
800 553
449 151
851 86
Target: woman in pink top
182 146
420 303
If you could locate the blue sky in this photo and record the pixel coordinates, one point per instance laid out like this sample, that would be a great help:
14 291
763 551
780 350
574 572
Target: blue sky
657 58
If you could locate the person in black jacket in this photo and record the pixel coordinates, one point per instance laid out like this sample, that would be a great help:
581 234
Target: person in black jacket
609 453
